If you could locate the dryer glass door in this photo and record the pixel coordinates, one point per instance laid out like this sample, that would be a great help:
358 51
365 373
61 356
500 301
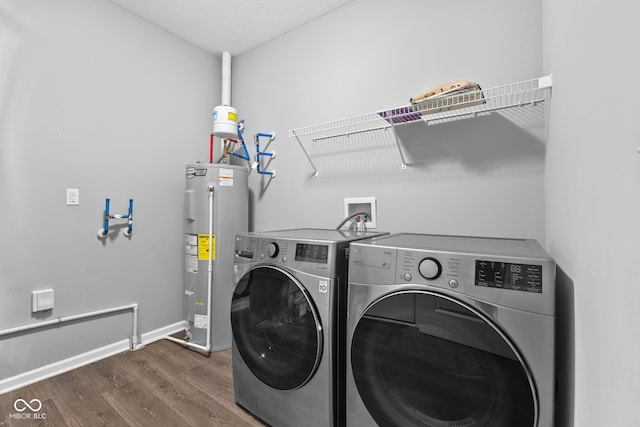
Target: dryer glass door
276 328
422 359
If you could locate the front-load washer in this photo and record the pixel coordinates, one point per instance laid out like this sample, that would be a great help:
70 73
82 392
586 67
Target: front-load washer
288 322
450 331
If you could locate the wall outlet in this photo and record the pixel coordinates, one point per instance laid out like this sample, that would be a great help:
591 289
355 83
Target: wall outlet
73 196
367 205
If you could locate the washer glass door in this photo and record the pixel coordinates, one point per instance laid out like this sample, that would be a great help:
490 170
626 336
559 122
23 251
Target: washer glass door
423 359
276 328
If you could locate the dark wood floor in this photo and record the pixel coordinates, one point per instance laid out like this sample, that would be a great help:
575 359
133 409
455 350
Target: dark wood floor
162 384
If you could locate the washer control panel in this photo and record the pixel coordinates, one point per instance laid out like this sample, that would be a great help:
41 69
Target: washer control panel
430 268
309 252
273 250
308 256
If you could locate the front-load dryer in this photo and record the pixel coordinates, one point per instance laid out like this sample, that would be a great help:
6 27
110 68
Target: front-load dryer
288 315
450 331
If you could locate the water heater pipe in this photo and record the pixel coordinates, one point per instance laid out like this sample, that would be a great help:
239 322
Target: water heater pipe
135 344
204 348
226 79
211 149
225 117
210 268
246 155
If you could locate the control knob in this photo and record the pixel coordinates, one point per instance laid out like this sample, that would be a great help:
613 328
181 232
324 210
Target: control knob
273 249
430 268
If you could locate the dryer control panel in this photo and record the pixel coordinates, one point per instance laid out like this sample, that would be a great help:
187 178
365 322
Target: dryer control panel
487 273
506 275
512 273
439 269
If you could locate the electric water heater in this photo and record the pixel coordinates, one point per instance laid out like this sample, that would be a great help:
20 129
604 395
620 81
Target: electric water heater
216 208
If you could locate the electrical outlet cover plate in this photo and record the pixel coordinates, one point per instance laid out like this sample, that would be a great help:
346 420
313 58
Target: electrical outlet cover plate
41 300
362 204
73 196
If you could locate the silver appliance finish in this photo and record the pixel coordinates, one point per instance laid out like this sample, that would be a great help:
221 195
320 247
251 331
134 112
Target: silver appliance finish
313 264
230 216
443 289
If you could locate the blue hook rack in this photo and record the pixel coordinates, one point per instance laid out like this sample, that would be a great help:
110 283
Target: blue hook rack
260 154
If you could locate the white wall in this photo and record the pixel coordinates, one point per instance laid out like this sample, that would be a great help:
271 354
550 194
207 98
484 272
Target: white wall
593 203
475 177
93 98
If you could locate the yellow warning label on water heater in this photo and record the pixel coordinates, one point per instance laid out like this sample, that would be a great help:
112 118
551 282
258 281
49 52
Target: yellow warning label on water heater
232 116
203 247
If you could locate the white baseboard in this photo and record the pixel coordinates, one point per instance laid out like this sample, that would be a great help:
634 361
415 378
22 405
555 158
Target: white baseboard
158 334
65 365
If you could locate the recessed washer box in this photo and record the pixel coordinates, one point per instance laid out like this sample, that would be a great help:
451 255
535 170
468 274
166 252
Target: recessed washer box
41 300
367 205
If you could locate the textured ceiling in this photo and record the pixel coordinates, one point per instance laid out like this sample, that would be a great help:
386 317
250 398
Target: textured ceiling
233 26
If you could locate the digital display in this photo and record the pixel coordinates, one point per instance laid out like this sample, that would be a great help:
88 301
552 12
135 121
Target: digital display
312 253
504 275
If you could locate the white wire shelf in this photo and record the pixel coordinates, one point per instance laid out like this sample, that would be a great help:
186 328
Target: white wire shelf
432 111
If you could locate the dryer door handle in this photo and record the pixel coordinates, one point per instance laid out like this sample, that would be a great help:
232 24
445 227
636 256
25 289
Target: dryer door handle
459 315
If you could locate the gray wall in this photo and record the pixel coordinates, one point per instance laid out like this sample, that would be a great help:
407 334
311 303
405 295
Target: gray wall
475 177
593 205
93 98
